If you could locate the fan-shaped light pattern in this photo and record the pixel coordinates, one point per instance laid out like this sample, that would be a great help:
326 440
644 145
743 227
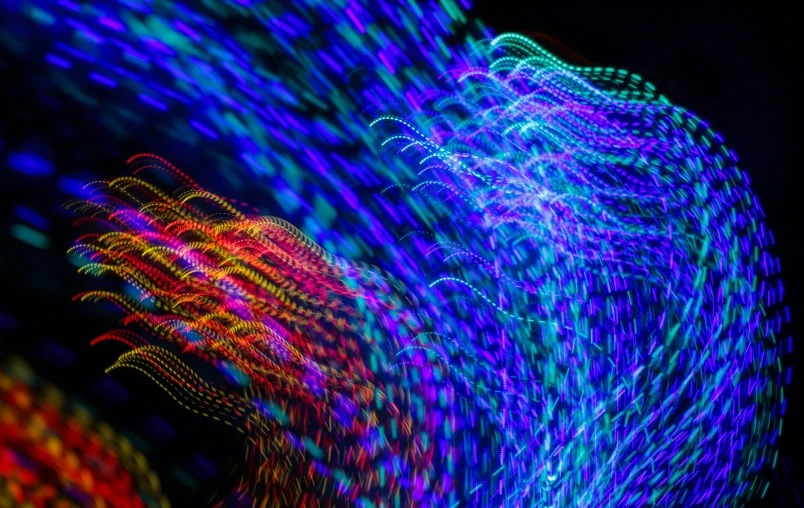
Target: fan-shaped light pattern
616 247
594 263
330 413
54 453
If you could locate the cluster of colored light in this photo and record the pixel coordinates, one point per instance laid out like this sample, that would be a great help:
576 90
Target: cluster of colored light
311 335
591 273
53 453
612 241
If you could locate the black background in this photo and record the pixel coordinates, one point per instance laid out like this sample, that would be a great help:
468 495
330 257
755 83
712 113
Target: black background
736 66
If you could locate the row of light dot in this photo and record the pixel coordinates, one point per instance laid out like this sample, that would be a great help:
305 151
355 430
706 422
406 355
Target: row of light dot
378 218
634 275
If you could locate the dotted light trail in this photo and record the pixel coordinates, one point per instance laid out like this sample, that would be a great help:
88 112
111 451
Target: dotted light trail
572 301
328 411
614 249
